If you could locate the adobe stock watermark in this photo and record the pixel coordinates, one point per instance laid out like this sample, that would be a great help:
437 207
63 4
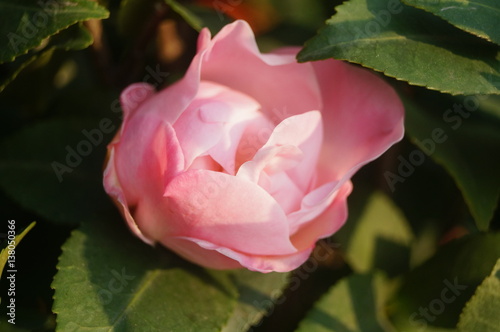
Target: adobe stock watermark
382 19
31 25
454 118
118 282
95 136
437 306
11 269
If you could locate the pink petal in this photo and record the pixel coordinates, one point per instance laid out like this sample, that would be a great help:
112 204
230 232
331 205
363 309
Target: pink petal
228 211
193 252
304 131
113 187
363 117
292 146
168 104
327 222
271 159
196 133
214 123
285 192
256 134
312 205
267 169
135 94
259 263
281 85
148 155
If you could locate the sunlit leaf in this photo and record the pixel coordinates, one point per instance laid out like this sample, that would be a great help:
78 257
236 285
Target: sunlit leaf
408 44
481 312
73 38
258 294
110 281
355 303
381 238
25 24
480 17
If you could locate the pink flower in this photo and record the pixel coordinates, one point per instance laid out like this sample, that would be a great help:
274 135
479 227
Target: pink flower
247 160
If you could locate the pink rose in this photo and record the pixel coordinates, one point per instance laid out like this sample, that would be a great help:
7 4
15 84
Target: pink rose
247 160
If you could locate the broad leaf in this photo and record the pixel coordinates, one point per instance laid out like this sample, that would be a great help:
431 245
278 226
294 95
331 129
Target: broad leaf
456 134
355 303
481 312
381 238
110 281
25 24
480 17
75 37
433 294
258 294
134 13
54 168
408 44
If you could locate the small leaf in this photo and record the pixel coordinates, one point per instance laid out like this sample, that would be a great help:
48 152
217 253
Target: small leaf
355 303
25 24
110 281
193 20
479 17
408 44
134 13
75 37
462 138
4 254
481 312
433 294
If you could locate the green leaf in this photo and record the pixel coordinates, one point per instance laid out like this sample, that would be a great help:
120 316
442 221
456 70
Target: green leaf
381 238
481 312
408 44
4 254
479 17
25 24
110 281
75 37
433 294
193 20
54 169
355 303
465 140
134 14
209 18
258 294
